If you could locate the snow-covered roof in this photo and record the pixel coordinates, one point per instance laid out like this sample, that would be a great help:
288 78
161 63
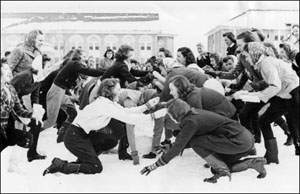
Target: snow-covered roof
261 19
265 18
90 27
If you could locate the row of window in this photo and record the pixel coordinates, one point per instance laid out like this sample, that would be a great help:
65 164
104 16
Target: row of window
96 46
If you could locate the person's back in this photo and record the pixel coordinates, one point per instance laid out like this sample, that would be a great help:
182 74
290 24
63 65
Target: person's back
192 75
207 122
208 99
113 71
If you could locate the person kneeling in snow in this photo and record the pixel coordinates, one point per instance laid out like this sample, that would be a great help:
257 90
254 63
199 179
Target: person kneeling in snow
220 141
81 139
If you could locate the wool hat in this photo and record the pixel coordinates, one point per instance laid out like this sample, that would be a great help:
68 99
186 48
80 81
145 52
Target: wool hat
178 108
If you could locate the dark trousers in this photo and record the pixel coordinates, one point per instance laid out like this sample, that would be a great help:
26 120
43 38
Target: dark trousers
278 107
231 149
12 136
78 143
249 117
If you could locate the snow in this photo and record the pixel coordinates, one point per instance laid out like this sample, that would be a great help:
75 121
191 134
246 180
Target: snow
182 174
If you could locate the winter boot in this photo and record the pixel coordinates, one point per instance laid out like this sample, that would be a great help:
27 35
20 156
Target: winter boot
219 167
289 140
271 151
284 126
122 149
61 132
56 166
254 163
32 153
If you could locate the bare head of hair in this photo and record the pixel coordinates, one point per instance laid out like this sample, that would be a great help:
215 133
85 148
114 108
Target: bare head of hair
122 52
106 88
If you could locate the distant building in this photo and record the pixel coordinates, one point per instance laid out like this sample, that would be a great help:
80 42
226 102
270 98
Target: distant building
93 32
275 24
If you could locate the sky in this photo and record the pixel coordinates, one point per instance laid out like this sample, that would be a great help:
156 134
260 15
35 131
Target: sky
189 20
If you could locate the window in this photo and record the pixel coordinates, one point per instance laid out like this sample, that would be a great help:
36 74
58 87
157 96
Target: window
76 41
281 37
129 40
59 46
146 45
94 42
111 42
276 38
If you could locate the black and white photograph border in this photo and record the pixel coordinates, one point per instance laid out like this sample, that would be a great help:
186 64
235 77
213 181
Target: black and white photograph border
147 26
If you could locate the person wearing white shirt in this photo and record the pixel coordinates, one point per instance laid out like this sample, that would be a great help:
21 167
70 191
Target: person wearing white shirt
93 117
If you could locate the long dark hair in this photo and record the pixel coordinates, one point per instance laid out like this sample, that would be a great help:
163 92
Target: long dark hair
183 85
106 88
122 53
109 50
230 36
188 54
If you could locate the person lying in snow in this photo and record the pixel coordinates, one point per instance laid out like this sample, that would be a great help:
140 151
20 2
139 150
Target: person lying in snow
220 141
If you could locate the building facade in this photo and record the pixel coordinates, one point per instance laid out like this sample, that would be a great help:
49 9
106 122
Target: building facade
94 36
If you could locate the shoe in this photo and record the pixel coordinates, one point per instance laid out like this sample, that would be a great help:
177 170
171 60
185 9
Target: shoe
124 156
151 155
252 152
35 157
219 172
56 166
254 163
271 151
220 168
289 141
166 142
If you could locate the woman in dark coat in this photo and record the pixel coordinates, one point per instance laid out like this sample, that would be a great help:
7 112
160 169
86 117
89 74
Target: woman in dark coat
200 98
122 68
66 79
230 42
220 141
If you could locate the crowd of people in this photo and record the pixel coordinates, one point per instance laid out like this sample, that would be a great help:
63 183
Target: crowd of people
217 105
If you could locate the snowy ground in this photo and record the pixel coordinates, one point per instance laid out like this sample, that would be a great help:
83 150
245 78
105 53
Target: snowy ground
183 174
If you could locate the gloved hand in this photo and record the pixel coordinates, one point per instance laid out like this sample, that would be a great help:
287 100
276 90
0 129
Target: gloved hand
164 149
135 157
151 103
160 113
148 169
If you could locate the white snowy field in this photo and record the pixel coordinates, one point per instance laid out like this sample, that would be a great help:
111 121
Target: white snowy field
182 174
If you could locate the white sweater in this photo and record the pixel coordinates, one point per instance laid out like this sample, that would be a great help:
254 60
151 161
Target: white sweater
98 114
